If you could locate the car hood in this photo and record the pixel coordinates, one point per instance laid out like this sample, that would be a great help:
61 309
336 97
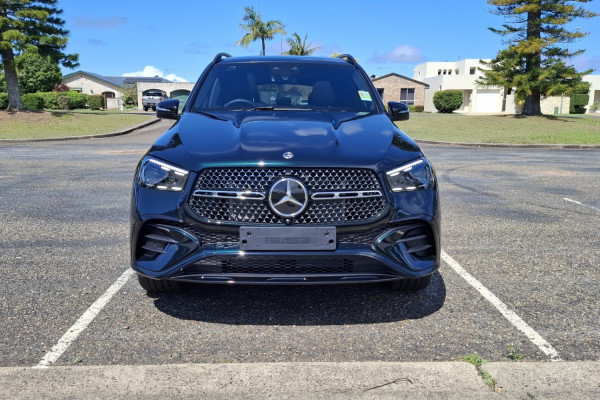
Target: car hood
260 138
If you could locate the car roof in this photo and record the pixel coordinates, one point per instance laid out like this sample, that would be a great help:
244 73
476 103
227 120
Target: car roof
292 59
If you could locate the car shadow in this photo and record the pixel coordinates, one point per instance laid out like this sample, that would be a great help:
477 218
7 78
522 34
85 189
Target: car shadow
302 305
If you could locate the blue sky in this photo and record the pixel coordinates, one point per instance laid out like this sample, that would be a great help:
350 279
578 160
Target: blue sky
177 40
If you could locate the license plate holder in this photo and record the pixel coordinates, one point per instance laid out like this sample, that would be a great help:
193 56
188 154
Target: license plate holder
286 238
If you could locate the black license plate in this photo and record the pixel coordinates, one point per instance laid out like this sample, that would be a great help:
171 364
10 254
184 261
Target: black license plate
287 238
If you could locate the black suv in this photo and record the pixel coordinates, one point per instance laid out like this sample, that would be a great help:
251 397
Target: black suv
284 170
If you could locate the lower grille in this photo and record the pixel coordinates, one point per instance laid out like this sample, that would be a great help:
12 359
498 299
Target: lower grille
286 266
270 265
231 240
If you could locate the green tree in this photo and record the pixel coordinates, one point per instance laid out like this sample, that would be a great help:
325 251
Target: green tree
298 47
31 25
258 29
36 73
533 62
129 94
2 80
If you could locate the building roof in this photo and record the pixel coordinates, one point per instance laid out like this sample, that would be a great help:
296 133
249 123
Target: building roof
120 81
402 77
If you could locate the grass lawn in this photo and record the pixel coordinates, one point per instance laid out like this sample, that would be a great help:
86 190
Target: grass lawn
34 125
561 129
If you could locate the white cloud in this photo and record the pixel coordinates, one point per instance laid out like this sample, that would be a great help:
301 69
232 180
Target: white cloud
401 54
150 71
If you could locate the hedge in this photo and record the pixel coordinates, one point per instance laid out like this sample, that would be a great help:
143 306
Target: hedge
33 101
416 108
50 100
64 102
578 103
95 101
446 101
76 100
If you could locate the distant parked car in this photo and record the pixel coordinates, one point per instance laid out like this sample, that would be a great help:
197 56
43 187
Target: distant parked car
153 97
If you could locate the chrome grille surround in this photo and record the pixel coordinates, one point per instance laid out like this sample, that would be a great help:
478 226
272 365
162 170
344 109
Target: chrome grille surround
338 195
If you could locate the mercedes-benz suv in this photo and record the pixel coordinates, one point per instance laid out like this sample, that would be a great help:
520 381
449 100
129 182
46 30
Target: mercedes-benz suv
284 170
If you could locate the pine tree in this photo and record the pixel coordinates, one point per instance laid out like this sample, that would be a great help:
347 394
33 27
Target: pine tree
538 45
33 25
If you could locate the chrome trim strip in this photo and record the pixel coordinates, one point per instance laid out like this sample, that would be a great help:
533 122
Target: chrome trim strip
354 194
224 194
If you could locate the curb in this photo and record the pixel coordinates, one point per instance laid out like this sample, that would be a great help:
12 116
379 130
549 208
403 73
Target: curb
101 135
514 146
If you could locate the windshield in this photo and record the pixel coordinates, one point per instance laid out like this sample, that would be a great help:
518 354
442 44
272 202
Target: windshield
284 85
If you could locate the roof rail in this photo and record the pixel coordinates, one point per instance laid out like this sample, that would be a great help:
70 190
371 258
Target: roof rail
220 56
348 58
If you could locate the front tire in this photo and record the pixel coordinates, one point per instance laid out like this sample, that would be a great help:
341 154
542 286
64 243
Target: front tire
158 285
145 108
410 285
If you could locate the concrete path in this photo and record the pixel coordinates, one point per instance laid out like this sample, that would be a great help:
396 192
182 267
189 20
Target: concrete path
443 380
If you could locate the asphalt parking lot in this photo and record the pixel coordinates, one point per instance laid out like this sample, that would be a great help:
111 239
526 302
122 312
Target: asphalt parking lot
522 222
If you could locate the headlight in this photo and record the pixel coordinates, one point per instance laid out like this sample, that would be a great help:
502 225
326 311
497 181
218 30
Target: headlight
156 174
415 175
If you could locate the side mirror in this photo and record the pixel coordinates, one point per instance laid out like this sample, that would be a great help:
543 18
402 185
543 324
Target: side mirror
168 109
398 111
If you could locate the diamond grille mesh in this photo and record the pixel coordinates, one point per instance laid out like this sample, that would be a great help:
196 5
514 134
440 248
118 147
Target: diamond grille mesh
338 211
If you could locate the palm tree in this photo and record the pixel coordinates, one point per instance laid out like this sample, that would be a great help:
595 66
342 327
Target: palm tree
258 29
298 47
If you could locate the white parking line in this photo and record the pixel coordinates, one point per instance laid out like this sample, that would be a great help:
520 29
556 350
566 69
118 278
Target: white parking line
580 204
79 326
510 315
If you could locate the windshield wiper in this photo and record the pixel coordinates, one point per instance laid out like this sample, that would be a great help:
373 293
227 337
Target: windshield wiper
341 121
209 115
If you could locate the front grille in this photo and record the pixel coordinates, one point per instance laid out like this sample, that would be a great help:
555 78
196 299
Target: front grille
326 210
259 179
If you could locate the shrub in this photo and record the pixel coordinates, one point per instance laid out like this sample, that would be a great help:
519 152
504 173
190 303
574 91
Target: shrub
446 101
416 108
3 101
78 100
578 103
33 101
95 101
50 99
64 102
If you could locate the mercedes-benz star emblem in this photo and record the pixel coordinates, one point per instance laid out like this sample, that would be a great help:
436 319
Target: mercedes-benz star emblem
288 197
288 155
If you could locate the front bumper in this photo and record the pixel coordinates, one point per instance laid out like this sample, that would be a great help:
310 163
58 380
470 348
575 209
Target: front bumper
169 242
390 251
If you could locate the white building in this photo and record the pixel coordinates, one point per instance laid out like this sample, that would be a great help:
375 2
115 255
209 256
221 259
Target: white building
594 81
462 75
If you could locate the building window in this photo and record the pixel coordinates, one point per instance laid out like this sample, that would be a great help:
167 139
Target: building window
407 96
439 71
456 71
380 91
472 70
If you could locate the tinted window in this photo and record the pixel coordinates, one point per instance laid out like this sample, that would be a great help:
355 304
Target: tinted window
285 85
